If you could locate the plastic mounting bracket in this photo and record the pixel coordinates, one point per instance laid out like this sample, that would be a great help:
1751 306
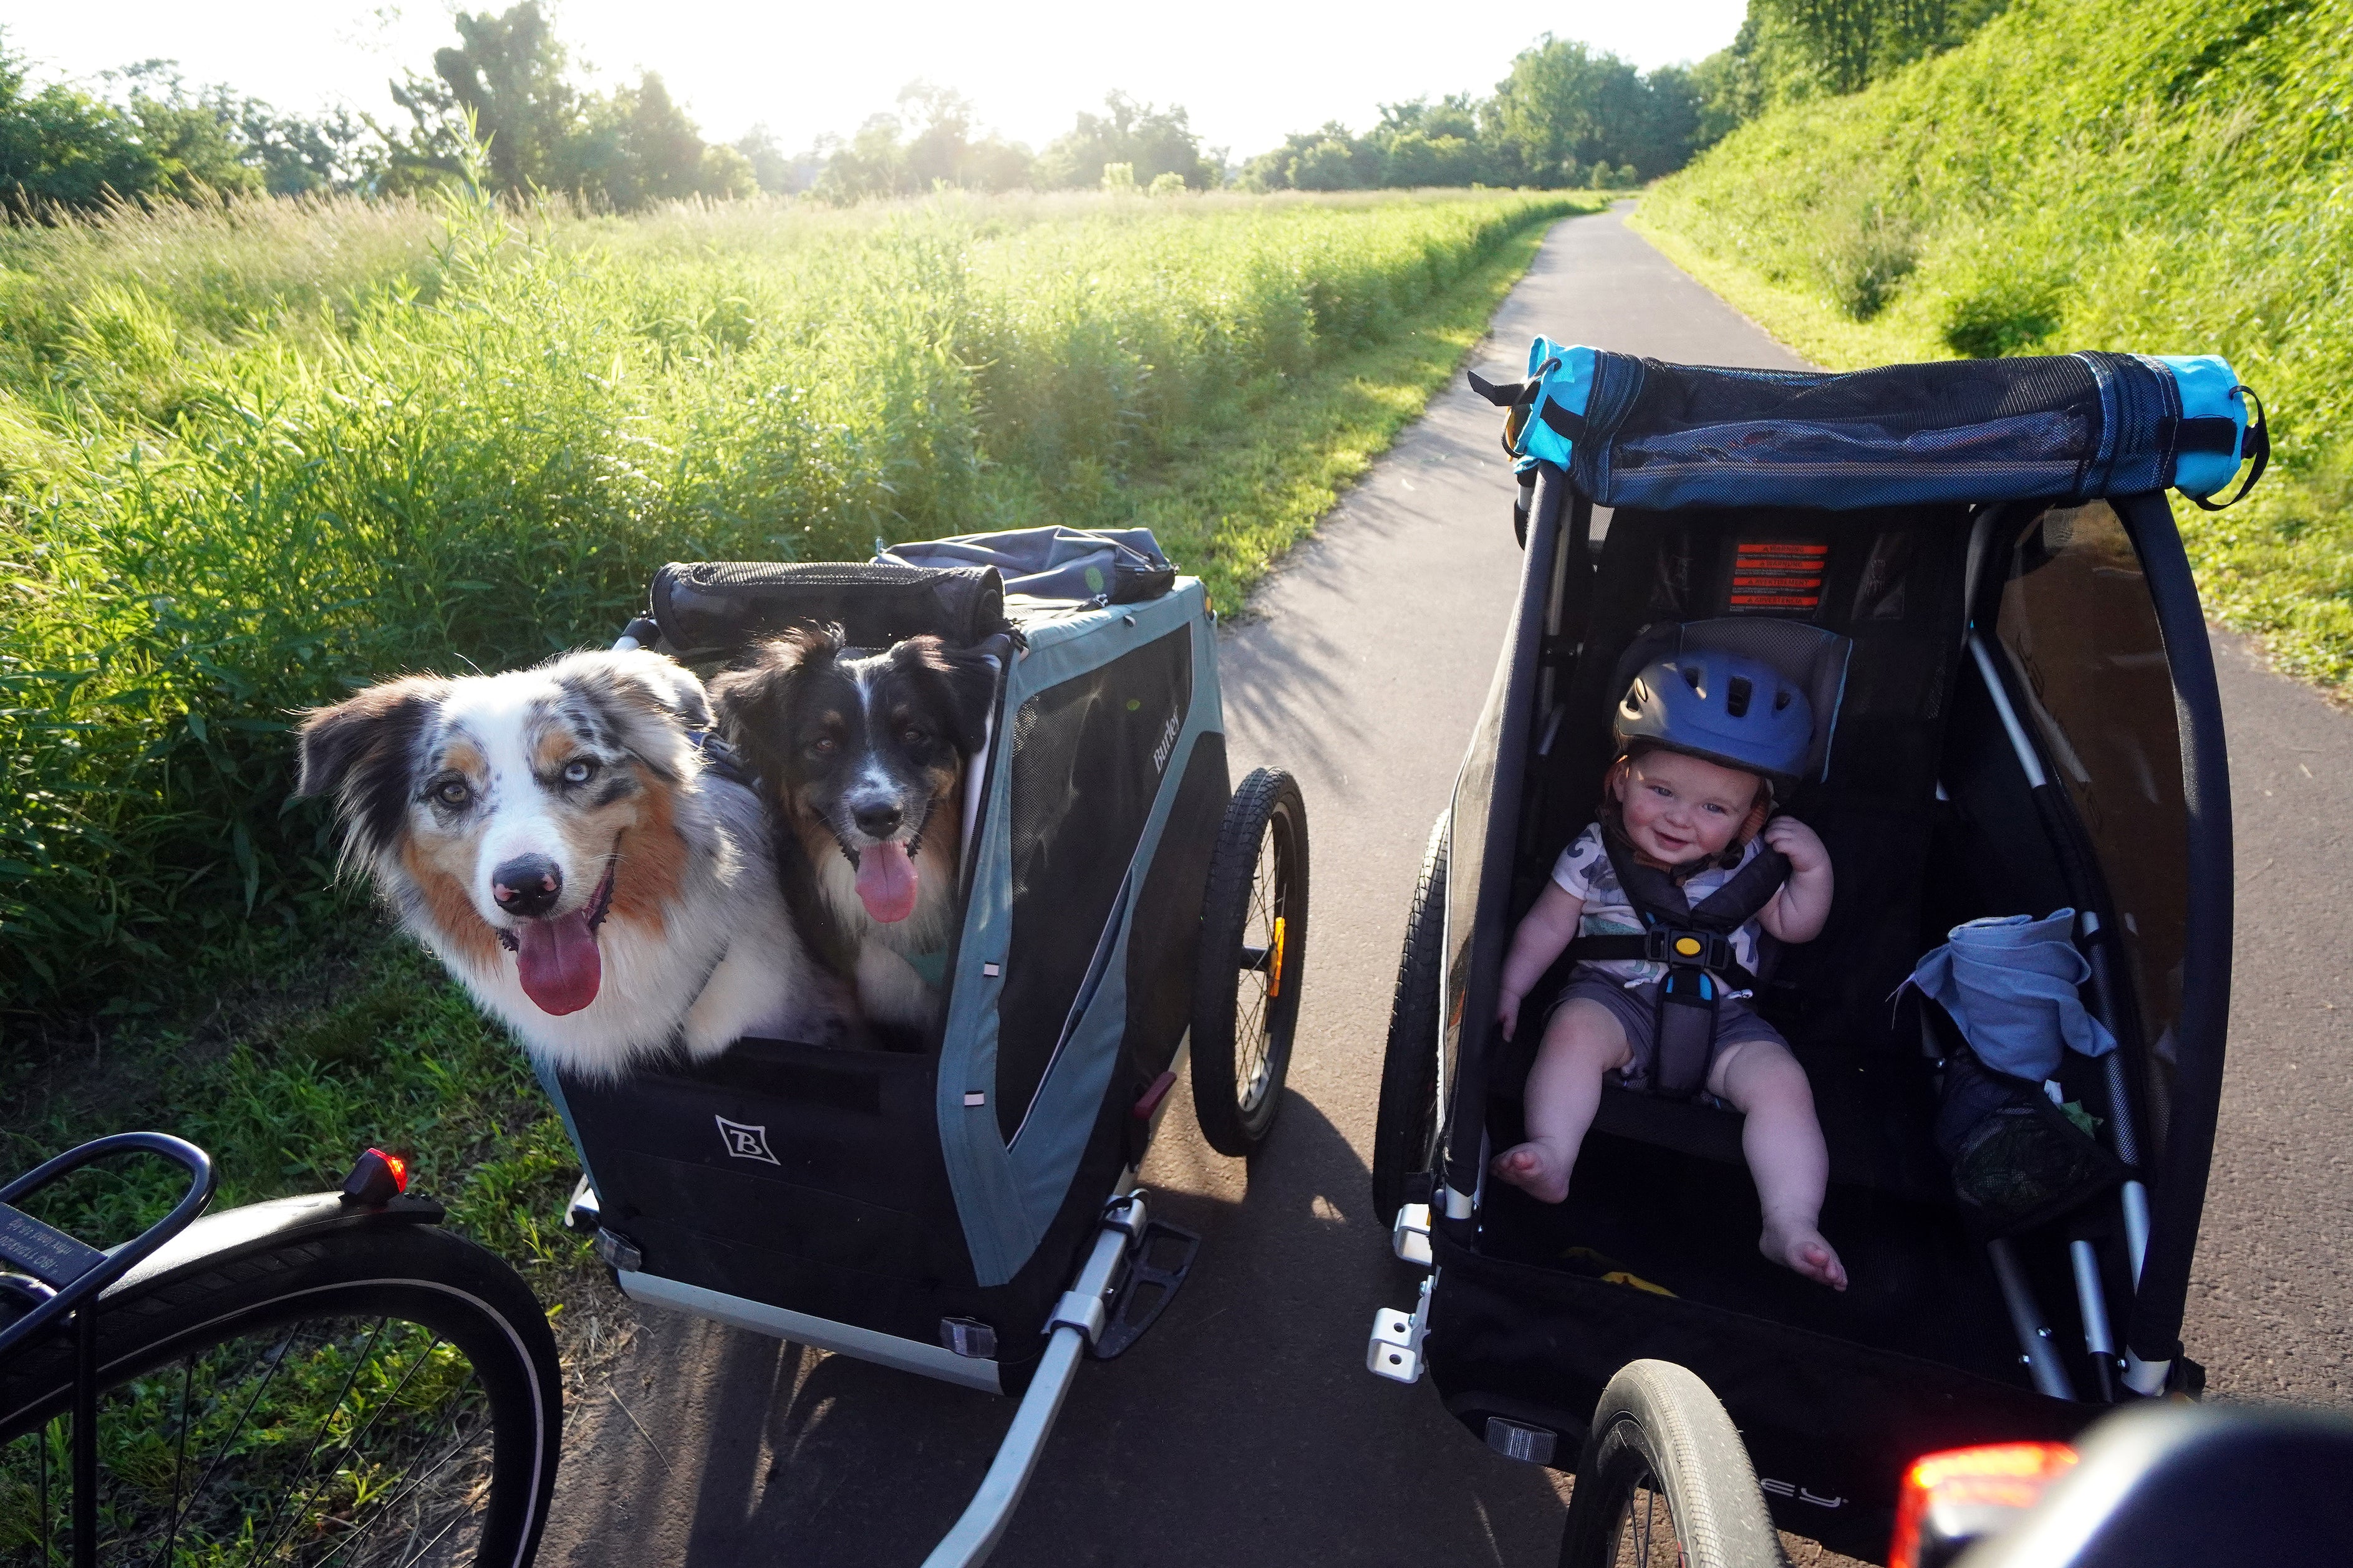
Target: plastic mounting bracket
1395 1351
1410 1235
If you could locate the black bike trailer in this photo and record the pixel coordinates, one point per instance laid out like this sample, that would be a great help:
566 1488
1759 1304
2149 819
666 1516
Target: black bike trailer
1972 569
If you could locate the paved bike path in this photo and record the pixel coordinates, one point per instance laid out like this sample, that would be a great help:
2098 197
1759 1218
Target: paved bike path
1245 1429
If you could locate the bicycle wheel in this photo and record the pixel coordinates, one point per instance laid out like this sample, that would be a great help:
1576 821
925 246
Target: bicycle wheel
1405 1127
382 1396
1665 1482
1253 954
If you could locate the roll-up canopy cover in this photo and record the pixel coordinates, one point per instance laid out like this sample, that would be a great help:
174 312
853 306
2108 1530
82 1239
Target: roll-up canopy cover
1643 433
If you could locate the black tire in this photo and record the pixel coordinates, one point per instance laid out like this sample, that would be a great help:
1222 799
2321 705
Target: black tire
1665 1480
453 1467
1246 991
1405 1129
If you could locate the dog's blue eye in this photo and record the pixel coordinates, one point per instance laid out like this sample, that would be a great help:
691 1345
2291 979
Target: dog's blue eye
580 771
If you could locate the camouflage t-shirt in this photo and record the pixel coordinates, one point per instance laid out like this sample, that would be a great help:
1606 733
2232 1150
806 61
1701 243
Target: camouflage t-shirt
1583 871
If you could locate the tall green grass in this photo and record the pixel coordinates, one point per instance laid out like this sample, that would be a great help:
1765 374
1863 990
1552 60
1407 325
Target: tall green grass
2165 176
251 460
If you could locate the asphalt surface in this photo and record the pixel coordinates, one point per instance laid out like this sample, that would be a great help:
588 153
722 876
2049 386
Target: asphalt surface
1245 1429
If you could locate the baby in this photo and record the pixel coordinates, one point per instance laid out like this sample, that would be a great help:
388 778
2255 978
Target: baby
1701 738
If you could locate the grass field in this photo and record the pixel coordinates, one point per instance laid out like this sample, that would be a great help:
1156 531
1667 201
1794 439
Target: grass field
250 460
2159 176
287 1054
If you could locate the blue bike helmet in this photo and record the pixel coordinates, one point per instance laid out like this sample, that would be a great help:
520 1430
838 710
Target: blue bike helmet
1721 708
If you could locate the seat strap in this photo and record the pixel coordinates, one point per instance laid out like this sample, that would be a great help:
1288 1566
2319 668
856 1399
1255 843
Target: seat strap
1655 946
1695 942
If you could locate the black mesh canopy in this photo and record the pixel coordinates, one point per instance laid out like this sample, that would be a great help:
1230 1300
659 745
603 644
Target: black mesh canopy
1661 435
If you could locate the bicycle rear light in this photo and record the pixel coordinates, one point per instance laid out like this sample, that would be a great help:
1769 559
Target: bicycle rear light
1961 1496
378 1178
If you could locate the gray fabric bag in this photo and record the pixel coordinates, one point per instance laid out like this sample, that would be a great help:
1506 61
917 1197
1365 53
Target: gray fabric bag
2009 984
1089 565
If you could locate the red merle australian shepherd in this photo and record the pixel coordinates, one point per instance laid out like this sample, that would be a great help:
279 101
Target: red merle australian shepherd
859 755
556 837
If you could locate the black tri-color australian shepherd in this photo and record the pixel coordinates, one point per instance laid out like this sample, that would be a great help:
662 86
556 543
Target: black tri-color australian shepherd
861 754
556 837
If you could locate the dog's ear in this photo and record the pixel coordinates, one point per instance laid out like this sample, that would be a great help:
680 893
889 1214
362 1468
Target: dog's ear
359 750
669 683
753 701
969 680
645 700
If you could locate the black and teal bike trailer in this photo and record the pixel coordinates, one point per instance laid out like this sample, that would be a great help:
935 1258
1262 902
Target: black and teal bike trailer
966 1210
1974 569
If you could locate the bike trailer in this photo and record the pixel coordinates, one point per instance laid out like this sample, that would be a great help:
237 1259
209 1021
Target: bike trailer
1973 573
945 1210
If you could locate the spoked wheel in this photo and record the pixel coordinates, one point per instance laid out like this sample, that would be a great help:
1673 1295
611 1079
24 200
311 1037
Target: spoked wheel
1665 1482
361 1399
1253 954
1405 1130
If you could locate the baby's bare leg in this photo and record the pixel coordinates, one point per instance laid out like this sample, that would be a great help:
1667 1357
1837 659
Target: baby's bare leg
1583 1041
1787 1157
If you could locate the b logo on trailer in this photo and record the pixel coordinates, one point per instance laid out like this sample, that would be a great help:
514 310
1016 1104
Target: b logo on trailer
745 1142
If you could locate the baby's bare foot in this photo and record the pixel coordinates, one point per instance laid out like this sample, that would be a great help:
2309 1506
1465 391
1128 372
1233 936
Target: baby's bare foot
1536 1169
1798 1245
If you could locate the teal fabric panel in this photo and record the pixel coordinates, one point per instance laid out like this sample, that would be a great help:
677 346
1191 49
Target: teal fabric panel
2206 383
1006 1197
1568 387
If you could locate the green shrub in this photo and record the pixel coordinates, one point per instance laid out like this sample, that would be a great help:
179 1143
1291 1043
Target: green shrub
254 459
1865 255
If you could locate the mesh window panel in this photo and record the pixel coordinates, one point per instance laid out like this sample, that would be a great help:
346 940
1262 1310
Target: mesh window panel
1087 757
2081 637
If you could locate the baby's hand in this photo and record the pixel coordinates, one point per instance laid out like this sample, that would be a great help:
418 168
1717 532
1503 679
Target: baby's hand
1508 1011
1799 842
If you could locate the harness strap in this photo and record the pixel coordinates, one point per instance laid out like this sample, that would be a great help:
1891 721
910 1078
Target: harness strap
1657 946
718 756
1659 898
1695 942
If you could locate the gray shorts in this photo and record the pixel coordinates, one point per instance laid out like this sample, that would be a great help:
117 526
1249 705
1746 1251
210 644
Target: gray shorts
1636 1008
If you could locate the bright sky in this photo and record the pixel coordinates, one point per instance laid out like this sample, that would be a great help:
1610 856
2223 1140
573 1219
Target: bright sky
1249 70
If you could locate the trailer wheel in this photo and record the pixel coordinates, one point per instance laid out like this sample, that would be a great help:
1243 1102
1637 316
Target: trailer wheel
1665 1480
1405 1129
1253 954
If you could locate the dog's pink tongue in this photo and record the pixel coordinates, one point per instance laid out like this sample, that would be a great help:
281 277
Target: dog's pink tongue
558 962
886 881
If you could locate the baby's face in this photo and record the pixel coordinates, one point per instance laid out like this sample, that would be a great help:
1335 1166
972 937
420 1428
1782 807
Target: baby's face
1678 808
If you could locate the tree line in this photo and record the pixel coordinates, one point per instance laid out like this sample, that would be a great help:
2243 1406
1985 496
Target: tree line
1566 115
508 85
1570 116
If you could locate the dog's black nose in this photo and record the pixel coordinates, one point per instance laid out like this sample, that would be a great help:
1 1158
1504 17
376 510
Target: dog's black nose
527 885
879 821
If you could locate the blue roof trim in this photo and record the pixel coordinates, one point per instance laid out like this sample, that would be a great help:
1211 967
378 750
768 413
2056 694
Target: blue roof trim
2063 429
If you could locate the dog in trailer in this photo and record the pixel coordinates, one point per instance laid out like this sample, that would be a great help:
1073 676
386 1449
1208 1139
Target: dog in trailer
860 756
562 841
